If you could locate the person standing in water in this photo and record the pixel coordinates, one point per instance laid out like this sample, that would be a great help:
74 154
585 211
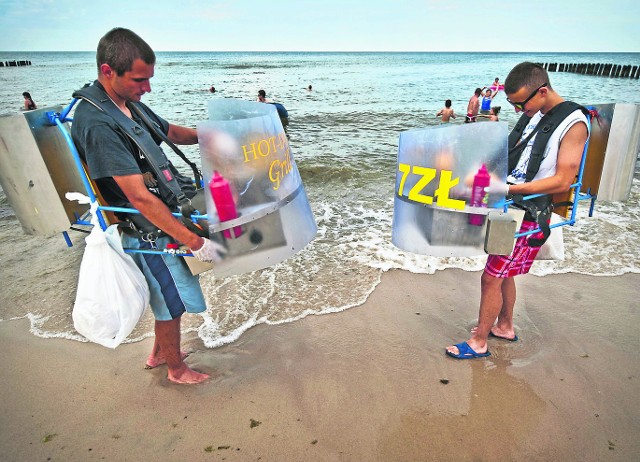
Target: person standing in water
262 97
116 164
493 114
529 91
487 98
473 106
29 104
446 112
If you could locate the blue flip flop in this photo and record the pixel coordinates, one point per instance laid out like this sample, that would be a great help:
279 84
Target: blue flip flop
514 339
466 352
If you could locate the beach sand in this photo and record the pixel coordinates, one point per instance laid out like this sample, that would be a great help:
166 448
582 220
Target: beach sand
368 384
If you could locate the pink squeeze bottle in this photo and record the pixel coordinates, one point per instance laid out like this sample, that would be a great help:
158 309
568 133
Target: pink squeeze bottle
478 195
225 205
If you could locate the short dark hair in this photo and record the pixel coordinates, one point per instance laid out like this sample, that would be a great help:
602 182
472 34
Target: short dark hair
447 103
528 75
478 91
120 47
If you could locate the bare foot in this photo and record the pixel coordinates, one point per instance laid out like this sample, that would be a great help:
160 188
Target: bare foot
155 361
185 375
507 334
497 332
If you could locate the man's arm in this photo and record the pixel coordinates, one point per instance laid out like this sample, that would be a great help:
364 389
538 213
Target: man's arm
156 211
182 135
569 157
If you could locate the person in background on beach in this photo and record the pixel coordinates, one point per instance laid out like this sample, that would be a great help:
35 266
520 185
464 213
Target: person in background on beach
473 106
262 97
125 67
487 98
309 88
446 112
493 114
29 105
529 91
212 89
496 86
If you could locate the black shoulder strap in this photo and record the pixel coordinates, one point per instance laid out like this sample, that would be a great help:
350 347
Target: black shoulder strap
152 126
537 210
547 126
186 207
543 131
516 133
167 184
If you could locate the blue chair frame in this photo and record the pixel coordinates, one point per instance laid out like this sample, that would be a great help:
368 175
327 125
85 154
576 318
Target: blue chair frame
578 195
59 119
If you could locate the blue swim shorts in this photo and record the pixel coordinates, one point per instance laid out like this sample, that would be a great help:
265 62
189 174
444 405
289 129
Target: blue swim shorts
173 288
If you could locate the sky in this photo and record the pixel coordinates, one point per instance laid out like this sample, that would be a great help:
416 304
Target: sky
327 25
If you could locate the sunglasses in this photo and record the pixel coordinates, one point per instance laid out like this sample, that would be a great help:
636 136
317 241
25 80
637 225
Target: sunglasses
520 106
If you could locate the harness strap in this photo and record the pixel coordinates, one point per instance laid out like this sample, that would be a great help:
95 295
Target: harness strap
540 215
538 209
544 130
137 225
168 185
156 129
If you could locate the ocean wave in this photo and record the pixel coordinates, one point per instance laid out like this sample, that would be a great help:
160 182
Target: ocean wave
247 66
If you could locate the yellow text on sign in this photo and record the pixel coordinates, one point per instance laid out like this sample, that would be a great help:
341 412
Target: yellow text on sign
426 176
278 169
265 147
271 146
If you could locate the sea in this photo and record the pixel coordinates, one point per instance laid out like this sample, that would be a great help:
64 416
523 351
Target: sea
343 136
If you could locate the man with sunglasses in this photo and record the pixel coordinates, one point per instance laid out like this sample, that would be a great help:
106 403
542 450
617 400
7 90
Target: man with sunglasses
528 90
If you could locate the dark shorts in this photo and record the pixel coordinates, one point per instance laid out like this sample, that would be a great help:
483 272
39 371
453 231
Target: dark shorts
173 288
520 260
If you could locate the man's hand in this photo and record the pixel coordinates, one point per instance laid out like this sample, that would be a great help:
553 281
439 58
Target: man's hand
209 252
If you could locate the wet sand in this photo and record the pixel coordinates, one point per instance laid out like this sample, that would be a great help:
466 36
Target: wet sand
368 384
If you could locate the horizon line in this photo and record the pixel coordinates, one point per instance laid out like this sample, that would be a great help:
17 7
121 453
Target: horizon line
334 51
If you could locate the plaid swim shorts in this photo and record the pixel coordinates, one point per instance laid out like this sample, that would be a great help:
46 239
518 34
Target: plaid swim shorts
520 260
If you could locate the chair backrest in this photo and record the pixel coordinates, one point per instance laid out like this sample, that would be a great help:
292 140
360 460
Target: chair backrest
110 217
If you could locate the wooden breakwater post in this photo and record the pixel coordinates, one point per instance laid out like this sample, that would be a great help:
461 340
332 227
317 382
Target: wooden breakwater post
15 63
598 69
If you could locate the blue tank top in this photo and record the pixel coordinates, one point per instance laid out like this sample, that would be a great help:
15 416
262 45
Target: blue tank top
486 104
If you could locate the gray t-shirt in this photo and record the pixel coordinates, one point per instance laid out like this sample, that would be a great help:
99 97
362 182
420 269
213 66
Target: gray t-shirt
108 151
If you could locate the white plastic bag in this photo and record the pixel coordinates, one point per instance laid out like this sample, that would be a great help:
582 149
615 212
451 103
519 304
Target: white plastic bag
553 248
112 291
